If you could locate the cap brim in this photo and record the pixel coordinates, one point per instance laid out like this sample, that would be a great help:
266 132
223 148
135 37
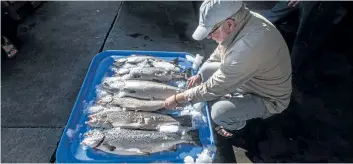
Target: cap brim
201 33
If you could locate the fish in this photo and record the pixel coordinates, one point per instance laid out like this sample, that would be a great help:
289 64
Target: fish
128 103
144 64
150 74
148 90
166 65
134 59
137 142
147 61
99 108
136 120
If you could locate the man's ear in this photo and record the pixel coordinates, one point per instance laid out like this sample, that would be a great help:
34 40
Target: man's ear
230 24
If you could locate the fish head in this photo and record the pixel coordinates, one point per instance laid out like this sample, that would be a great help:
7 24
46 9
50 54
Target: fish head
123 71
93 138
97 120
114 82
105 99
120 62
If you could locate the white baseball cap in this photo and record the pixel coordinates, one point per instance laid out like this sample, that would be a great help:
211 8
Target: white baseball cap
213 12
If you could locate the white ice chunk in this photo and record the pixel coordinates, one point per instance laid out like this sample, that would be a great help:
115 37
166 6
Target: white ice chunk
72 132
188 159
169 128
197 61
190 58
204 157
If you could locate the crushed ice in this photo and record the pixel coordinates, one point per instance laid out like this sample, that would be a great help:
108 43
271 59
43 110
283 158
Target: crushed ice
197 62
190 110
178 83
71 132
169 128
188 159
203 157
100 92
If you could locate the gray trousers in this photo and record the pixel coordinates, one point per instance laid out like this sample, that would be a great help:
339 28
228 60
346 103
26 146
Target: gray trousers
233 113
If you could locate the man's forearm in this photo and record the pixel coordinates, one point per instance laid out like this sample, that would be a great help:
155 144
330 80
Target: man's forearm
180 98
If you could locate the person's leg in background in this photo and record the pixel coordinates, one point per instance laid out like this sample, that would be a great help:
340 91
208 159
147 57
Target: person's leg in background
278 12
316 22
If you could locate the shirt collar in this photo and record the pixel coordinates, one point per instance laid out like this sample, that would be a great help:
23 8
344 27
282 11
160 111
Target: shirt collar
240 25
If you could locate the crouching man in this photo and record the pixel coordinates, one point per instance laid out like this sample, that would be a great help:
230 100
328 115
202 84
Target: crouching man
248 75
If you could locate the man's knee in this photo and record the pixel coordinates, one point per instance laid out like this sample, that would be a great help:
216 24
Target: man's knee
219 114
222 115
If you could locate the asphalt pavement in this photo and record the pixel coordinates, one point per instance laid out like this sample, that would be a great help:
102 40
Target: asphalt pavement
39 87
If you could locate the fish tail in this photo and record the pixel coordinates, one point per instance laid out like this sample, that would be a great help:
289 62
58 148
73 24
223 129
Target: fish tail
194 137
184 120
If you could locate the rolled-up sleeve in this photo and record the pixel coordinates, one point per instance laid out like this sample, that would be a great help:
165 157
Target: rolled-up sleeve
241 63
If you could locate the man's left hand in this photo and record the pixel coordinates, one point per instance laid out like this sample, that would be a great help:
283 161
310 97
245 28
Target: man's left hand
170 103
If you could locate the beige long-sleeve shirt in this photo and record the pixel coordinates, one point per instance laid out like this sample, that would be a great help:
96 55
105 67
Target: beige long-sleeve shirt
254 59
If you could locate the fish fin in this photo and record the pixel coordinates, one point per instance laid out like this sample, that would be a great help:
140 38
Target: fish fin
149 63
194 137
184 120
109 147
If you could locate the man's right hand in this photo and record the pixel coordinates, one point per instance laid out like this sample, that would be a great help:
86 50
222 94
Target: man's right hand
194 80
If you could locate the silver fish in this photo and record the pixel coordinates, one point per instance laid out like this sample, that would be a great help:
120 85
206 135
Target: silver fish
165 65
151 74
137 142
147 61
136 120
100 108
144 64
140 89
128 103
134 59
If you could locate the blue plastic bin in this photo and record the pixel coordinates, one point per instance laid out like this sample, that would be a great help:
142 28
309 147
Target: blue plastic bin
70 150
